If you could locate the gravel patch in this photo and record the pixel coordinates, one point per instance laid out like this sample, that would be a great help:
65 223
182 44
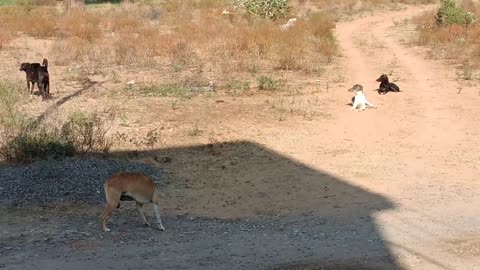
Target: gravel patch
71 180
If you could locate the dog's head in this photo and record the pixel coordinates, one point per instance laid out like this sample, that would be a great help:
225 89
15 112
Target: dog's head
356 88
382 78
24 66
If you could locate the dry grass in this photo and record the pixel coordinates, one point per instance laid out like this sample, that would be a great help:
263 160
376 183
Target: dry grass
185 35
5 37
456 43
348 8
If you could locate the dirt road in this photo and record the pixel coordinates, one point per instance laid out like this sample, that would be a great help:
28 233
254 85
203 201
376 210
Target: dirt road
391 188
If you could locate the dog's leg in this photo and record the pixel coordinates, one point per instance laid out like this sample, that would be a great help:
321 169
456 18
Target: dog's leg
30 88
107 213
113 199
156 207
362 106
355 104
142 216
370 104
41 88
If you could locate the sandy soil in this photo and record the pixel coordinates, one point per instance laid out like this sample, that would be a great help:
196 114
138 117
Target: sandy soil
391 188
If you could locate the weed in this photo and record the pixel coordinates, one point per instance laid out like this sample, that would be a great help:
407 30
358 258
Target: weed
235 86
174 105
86 132
195 131
466 72
162 90
151 139
267 83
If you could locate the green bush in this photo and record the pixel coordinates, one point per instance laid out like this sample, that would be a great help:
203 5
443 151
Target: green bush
269 9
449 13
267 83
24 139
39 144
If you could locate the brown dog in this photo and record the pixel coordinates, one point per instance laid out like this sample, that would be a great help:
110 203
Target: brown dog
131 187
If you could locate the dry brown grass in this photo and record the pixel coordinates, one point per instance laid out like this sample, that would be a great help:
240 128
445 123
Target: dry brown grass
5 38
190 35
185 35
347 8
456 43
178 36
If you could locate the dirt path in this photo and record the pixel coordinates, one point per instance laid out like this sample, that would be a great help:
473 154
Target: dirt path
417 148
391 188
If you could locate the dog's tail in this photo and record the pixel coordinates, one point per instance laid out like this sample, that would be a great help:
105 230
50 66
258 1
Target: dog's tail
45 62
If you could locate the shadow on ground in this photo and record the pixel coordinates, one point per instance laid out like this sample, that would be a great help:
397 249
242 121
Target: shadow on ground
231 205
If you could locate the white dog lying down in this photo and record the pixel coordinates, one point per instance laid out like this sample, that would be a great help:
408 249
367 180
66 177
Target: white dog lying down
359 99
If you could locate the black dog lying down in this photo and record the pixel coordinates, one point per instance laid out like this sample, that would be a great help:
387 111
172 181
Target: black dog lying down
386 86
37 73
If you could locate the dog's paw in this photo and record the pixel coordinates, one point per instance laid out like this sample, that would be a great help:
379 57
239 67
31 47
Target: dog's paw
146 224
161 228
106 230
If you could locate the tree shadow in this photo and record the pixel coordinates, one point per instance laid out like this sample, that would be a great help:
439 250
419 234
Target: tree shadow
87 85
243 180
234 205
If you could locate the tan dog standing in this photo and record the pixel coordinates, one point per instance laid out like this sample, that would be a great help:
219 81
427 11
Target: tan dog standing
131 187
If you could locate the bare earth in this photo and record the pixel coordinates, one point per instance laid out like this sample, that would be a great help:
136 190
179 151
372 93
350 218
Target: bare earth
391 188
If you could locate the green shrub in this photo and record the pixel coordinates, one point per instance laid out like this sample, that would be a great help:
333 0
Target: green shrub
25 139
449 13
39 144
269 9
86 132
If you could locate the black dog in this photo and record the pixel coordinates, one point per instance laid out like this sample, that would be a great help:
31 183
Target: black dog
44 80
386 86
36 73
